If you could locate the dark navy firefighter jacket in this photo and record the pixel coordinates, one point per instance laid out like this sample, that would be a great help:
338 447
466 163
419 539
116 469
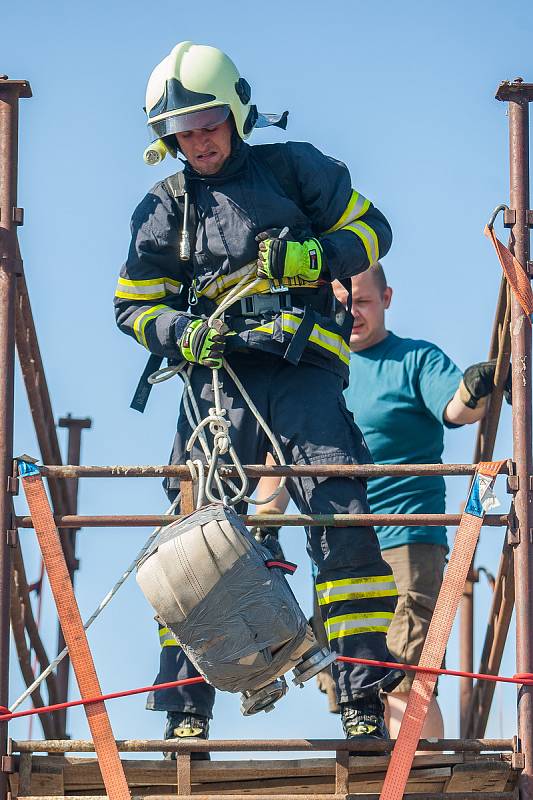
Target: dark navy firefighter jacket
260 187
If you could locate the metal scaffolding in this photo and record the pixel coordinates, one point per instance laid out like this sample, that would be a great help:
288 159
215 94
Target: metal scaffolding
513 585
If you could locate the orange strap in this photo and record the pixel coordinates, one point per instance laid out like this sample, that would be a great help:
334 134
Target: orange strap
514 272
439 632
72 626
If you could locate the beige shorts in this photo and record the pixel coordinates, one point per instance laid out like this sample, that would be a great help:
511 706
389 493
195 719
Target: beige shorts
418 571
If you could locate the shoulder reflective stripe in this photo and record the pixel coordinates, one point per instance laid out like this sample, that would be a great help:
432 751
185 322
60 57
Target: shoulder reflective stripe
144 318
353 624
151 289
353 589
368 238
357 206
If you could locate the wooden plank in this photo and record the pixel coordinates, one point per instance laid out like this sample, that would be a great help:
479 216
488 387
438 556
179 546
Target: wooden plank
183 773
488 777
373 796
342 769
313 776
82 773
24 772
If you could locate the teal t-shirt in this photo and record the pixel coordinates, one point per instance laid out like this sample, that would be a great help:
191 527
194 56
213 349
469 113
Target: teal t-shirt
398 392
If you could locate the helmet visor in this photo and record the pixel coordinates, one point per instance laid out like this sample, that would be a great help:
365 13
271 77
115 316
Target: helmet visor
179 123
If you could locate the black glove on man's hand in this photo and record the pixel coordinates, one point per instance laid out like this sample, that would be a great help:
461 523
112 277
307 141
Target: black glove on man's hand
269 538
478 383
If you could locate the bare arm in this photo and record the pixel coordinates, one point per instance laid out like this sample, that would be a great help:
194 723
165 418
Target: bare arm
265 488
469 402
458 414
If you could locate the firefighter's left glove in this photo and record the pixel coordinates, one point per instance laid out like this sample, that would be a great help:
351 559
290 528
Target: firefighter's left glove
478 383
202 344
280 258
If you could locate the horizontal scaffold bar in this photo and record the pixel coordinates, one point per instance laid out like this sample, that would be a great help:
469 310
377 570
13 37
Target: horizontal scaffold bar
267 520
258 470
259 745
417 796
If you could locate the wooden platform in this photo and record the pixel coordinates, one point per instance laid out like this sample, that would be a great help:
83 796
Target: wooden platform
454 774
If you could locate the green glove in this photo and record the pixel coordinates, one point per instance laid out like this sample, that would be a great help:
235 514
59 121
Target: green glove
280 258
478 383
202 344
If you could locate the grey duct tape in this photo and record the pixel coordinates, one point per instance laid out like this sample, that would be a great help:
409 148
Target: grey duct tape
237 620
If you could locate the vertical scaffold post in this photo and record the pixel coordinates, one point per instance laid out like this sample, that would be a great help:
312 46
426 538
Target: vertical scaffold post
519 95
10 217
74 427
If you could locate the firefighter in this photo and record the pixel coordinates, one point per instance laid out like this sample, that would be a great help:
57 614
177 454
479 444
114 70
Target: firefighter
285 213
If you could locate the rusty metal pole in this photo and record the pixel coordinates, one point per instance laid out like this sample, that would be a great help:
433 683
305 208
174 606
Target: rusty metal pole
10 216
466 651
519 95
74 427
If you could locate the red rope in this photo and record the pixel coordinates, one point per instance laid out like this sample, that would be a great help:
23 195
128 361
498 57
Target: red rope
522 679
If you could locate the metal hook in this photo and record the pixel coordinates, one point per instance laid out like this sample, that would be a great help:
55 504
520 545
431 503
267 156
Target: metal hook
492 220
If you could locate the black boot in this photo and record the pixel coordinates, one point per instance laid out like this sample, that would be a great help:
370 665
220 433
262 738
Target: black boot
364 719
184 725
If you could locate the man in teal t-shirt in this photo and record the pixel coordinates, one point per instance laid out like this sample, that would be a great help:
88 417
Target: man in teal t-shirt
403 393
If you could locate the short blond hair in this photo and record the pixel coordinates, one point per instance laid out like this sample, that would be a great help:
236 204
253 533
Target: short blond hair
378 273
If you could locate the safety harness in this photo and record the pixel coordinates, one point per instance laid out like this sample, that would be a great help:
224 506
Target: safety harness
299 306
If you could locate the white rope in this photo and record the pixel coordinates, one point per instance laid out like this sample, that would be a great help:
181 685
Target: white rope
218 425
98 610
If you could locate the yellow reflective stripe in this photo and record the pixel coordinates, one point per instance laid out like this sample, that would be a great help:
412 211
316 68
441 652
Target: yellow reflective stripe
354 624
143 319
357 206
356 589
320 336
368 238
225 282
166 638
332 342
150 289
349 581
268 328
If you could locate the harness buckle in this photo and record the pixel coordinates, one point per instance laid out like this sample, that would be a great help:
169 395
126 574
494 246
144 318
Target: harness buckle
277 288
256 305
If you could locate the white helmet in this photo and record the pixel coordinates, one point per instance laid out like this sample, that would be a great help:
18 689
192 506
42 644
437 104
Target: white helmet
196 86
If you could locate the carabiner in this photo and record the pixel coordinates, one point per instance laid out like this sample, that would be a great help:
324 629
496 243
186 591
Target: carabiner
492 220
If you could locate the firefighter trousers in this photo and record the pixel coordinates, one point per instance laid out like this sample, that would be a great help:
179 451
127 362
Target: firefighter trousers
304 406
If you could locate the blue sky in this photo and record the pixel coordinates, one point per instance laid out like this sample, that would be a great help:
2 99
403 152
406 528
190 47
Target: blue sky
403 93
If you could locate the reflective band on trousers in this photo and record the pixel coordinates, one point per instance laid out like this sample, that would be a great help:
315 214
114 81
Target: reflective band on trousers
354 624
144 318
368 238
150 289
166 638
320 336
357 206
355 589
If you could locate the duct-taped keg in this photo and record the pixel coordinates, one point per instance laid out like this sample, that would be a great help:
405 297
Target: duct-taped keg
230 607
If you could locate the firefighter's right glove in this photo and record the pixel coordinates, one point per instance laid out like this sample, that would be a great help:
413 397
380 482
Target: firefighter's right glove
280 258
478 383
201 344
